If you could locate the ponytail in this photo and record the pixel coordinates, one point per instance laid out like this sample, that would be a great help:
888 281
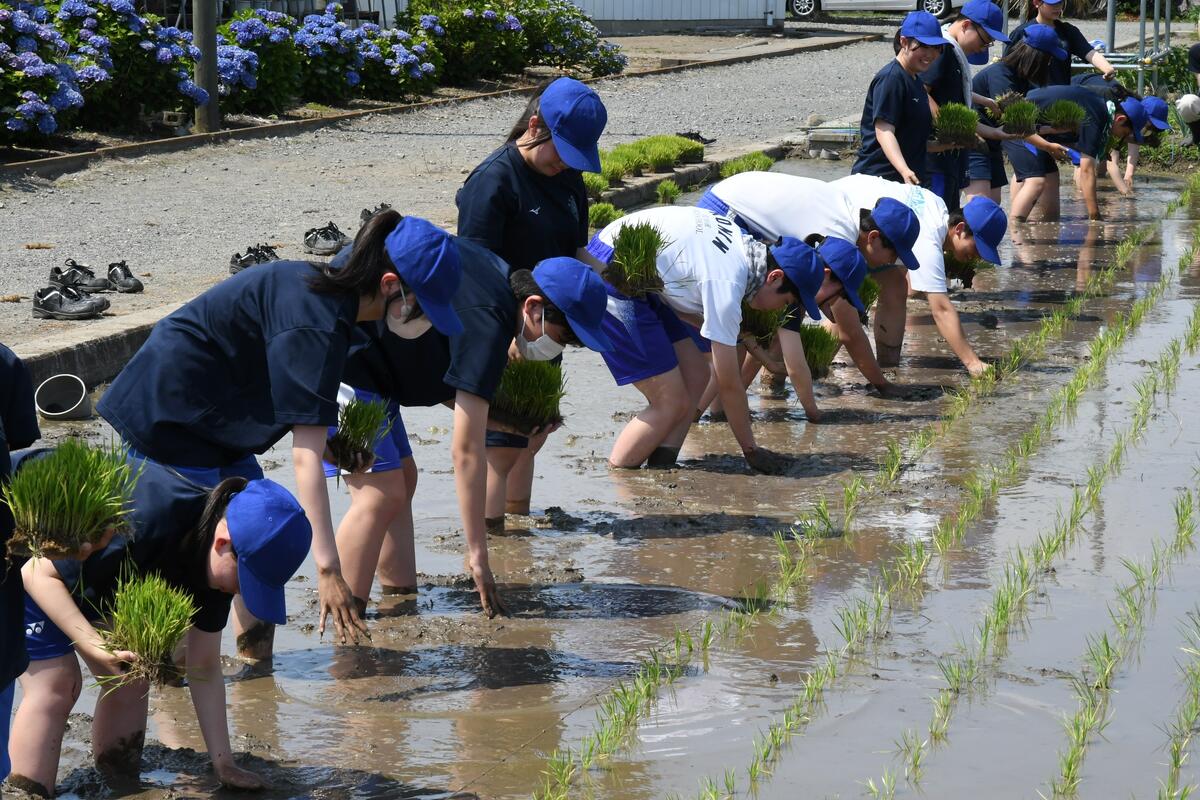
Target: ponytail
198 540
532 109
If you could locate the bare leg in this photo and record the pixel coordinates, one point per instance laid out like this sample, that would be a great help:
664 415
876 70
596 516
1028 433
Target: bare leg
520 477
981 188
1049 200
49 690
376 499
696 369
119 727
1024 196
668 405
255 638
500 461
890 313
397 568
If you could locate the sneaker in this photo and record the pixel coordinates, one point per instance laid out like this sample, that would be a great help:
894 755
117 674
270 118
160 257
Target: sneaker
367 213
258 254
79 276
121 279
695 136
66 302
326 241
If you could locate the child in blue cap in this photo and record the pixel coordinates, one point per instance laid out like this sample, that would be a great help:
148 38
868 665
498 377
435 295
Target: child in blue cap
1071 42
526 203
1156 122
244 538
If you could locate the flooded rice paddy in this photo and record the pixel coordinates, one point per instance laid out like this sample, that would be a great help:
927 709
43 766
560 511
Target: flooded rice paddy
446 703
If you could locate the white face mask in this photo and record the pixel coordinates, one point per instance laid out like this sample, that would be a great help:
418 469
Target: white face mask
541 349
396 315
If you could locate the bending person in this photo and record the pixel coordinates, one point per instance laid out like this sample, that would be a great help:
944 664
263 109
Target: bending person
1071 42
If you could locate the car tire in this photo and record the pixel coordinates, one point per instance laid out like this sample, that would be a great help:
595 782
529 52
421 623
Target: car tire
939 8
805 9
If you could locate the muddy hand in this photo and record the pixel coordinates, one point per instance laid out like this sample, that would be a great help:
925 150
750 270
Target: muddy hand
489 595
766 461
337 600
232 776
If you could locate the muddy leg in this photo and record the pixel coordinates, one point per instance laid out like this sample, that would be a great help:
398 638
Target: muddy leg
669 405
397 568
49 689
255 638
889 316
119 728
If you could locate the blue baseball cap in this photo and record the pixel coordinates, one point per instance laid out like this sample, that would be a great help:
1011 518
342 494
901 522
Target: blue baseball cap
579 293
1139 118
803 267
924 27
847 263
988 16
1044 38
900 225
271 537
426 258
1156 109
989 223
575 117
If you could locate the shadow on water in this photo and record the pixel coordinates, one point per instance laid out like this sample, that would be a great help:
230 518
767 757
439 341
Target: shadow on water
806 465
850 416
1056 296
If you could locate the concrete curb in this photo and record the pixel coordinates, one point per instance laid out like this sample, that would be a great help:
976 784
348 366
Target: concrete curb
59 165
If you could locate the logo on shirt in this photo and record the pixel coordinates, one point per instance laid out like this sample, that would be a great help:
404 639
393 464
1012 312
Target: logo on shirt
36 628
535 211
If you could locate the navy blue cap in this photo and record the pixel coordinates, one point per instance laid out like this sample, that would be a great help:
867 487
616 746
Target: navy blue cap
846 262
1044 38
271 537
989 223
900 225
986 15
1156 109
803 267
1139 118
924 27
426 259
576 118
579 293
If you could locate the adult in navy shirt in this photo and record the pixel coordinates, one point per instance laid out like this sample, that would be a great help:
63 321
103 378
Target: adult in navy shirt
526 203
262 353
1071 42
896 119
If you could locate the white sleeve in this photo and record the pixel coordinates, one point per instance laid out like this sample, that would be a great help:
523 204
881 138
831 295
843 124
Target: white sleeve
722 302
931 275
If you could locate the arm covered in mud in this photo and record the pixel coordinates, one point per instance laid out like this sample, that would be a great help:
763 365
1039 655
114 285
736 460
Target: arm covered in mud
207 686
468 450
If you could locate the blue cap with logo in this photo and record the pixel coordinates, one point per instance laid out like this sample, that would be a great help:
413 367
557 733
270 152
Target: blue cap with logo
924 27
426 258
579 293
1138 116
575 117
900 225
847 263
989 223
803 267
271 537
1044 38
1156 109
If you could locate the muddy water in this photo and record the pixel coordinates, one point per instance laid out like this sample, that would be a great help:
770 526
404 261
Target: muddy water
445 701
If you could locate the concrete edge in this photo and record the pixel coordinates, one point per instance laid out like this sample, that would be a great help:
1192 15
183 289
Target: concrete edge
59 165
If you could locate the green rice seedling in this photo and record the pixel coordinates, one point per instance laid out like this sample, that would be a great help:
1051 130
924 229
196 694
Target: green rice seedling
668 192
1064 115
820 346
1103 658
148 617
595 184
68 498
1019 117
763 325
708 790
851 490
960 672
529 395
892 462
868 292
361 424
824 519
965 271
911 749
613 169
943 707
757 161
910 567
1185 522
686 151
885 789
633 270
601 215
661 156
633 156
955 125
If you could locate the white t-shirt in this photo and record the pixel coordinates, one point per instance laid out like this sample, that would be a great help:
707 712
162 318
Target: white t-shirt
866 190
704 267
775 205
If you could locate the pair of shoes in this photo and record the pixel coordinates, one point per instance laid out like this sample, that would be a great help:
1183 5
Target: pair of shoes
258 254
326 241
81 277
695 136
66 302
368 213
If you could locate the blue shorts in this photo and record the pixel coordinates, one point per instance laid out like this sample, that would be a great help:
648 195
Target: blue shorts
391 449
1029 165
987 166
643 332
6 703
946 175
246 467
43 639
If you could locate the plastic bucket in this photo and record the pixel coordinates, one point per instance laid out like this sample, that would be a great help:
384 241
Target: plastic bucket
63 397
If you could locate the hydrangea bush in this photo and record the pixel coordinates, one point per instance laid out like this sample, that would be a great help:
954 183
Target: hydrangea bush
37 83
480 41
397 64
330 56
559 34
276 77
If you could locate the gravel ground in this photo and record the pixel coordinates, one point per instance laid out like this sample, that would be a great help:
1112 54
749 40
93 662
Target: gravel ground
176 218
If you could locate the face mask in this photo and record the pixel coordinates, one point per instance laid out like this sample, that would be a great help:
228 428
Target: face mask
541 349
397 318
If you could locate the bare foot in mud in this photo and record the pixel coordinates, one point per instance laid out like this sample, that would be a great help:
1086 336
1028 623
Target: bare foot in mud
257 643
389 591
23 787
122 761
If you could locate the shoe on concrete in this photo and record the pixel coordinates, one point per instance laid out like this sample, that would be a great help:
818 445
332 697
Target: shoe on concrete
78 276
695 136
258 254
326 241
121 279
367 213
66 302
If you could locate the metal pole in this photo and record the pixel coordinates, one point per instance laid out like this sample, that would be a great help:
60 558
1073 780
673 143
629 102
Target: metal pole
204 28
1110 33
1142 49
1167 41
1157 13
1007 12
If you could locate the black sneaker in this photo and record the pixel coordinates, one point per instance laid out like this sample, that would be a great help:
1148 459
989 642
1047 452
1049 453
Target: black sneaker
66 302
367 213
326 241
695 136
122 280
258 254
79 276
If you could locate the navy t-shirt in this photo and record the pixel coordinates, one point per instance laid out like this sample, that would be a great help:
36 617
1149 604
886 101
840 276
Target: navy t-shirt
18 428
1070 39
430 369
1093 136
165 507
944 82
521 215
232 371
1094 82
899 98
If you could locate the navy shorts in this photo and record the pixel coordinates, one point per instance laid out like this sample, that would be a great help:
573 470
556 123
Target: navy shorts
6 704
43 639
987 166
643 332
506 439
1027 164
391 449
246 467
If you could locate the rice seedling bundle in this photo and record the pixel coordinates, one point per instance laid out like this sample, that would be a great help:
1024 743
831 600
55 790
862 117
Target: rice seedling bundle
763 325
612 168
751 162
1064 115
668 192
361 424
965 271
661 156
820 346
68 498
149 617
633 270
686 151
1019 116
529 395
600 215
868 292
595 184
955 125
633 156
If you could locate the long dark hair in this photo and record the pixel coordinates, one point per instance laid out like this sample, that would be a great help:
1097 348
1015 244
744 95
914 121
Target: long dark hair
368 261
1028 63
197 541
533 109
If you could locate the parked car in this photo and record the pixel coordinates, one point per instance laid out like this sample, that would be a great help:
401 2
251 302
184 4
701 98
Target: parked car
808 9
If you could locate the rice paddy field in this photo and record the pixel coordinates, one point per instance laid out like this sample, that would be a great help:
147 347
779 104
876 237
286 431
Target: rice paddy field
985 590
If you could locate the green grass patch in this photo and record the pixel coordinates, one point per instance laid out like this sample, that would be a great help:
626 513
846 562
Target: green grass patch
751 162
955 125
595 184
1064 114
668 192
820 346
529 396
600 215
1019 116
149 617
633 270
68 498
361 424
763 325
